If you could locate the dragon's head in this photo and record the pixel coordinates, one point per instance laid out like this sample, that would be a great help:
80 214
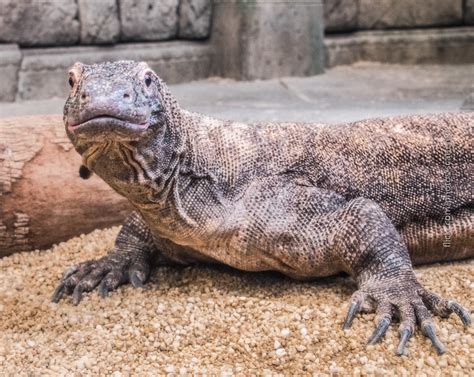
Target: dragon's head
117 105
119 101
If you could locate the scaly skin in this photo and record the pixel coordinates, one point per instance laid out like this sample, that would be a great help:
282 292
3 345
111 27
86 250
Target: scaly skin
308 200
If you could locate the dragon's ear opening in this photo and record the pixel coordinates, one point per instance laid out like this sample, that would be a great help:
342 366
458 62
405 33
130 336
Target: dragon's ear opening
84 173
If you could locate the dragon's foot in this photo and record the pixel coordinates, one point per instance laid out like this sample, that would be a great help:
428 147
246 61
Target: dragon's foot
108 273
406 300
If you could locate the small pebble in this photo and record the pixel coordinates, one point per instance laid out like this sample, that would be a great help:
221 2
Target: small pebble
280 352
443 362
170 368
431 362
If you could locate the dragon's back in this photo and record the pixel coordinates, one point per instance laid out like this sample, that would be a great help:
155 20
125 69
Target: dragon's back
415 167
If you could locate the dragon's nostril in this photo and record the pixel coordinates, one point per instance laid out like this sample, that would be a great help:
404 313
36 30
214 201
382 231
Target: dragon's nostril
83 96
126 95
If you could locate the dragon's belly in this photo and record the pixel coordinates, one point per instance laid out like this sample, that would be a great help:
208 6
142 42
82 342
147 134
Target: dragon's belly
261 230
284 253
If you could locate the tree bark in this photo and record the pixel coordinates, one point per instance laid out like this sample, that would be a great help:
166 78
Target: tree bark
42 198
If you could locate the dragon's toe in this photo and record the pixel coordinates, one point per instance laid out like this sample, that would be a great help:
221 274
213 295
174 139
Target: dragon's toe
443 308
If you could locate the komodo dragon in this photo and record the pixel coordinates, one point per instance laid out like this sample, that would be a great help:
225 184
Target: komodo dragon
307 200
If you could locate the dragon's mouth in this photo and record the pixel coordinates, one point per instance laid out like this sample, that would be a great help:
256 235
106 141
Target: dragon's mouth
106 123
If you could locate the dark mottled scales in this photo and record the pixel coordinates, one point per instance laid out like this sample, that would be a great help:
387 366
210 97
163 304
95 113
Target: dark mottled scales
308 200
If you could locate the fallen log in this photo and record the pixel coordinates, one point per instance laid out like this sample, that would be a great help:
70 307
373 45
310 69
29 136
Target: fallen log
42 198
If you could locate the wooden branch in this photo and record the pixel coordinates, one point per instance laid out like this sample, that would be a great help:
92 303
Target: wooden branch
42 198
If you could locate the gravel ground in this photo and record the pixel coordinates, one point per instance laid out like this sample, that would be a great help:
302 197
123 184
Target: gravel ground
209 320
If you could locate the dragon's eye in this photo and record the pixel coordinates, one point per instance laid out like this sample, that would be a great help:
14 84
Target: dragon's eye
71 82
147 80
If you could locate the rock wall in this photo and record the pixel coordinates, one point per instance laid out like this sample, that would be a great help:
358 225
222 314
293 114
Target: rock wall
72 22
262 39
416 46
399 31
43 71
99 21
250 39
469 12
40 39
351 15
39 23
188 40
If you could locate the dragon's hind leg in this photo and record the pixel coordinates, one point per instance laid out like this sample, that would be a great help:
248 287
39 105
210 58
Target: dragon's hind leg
313 234
375 254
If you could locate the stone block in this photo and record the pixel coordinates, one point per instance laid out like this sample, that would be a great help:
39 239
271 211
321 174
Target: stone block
433 46
386 14
469 12
43 72
266 39
99 21
148 20
340 15
10 60
195 19
39 23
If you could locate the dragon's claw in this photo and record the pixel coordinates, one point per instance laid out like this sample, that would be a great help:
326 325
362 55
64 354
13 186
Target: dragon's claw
379 331
107 273
353 310
408 301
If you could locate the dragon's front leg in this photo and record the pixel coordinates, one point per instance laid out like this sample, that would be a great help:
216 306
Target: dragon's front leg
129 262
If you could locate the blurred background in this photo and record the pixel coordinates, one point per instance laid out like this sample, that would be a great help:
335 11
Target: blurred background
399 55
